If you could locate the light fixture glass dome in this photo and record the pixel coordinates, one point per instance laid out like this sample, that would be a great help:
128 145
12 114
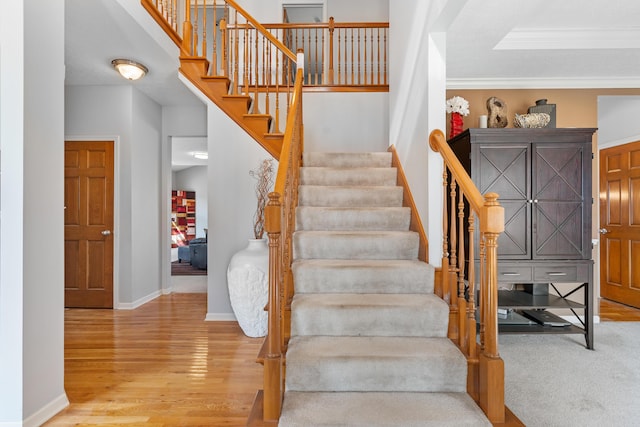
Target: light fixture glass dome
128 69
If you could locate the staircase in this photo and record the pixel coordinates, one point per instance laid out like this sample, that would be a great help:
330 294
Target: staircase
368 342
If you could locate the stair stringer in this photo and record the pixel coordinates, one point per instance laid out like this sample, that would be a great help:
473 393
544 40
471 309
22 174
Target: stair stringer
256 125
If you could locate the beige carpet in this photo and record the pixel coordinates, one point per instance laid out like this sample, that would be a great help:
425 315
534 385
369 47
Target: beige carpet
553 380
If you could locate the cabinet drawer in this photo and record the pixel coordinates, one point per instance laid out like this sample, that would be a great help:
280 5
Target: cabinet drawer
514 274
552 273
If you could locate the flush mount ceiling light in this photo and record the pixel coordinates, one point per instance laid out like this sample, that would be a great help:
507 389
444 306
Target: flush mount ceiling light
201 155
128 69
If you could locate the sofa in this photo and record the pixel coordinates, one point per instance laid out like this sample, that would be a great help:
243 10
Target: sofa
198 253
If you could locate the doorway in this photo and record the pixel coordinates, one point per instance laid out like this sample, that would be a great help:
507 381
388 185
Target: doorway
620 224
88 223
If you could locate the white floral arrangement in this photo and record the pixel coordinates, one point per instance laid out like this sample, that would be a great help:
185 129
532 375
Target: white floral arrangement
458 104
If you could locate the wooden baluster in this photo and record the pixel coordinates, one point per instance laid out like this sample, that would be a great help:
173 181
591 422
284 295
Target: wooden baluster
273 359
362 61
385 57
277 94
453 263
378 60
204 29
225 47
195 29
236 54
245 42
256 109
462 306
214 53
315 78
267 76
443 290
308 58
187 30
483 285
339 61
472 354
353 81
331 30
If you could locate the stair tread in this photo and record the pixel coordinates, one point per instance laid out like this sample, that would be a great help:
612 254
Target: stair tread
407 364
322 175
404 315
380 409
349 195
349 218
355 159
362 276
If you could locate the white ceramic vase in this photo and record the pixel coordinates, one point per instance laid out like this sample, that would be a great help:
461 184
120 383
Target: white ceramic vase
248 282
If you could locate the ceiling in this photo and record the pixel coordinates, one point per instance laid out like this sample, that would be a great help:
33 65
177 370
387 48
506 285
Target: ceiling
490 43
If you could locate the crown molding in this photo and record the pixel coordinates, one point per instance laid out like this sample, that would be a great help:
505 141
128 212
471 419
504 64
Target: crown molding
545 83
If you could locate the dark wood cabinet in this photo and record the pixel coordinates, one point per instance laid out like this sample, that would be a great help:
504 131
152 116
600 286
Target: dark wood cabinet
543 178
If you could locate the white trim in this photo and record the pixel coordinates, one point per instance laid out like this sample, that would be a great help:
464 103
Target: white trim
544 83
220 317
139 302
116 204
573 320
627 140
46 412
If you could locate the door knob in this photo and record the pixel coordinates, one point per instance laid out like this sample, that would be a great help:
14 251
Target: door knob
106 232
603 231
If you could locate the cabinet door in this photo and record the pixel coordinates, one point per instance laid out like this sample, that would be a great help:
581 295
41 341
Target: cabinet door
505 169
559 185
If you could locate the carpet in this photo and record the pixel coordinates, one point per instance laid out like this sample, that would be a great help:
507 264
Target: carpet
186 269
553 380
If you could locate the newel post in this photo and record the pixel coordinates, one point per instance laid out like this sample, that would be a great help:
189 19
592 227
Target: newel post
491 387
273 358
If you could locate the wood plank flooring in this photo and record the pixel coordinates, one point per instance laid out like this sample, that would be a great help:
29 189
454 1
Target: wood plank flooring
158 365
163 365
613 311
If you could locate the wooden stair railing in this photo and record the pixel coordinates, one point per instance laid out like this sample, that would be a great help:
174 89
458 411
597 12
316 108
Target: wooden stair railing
464 207
232 59
280 225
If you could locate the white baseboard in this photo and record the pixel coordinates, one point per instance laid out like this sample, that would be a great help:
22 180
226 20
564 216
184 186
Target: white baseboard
45 413
574 320
220 317
139 302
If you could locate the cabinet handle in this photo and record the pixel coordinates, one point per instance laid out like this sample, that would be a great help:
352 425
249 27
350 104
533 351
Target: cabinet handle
511 274
556 274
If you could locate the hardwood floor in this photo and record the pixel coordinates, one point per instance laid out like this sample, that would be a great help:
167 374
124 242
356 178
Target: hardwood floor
158 365
613 311
163 365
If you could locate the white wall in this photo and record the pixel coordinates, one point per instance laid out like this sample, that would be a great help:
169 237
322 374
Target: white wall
335 121
232 203
618 120
195 179
31 241
135 122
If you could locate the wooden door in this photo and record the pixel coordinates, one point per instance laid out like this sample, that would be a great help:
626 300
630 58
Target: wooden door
88 219
620 224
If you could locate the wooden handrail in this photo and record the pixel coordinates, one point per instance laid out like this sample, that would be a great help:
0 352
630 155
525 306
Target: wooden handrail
485 381
262 30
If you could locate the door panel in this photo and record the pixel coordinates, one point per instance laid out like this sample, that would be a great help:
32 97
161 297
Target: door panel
89 224
620 217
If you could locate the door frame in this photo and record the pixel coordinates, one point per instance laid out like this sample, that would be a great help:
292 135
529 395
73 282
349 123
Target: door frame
116 205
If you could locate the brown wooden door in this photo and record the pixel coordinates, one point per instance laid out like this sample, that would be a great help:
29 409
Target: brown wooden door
88 219
620 224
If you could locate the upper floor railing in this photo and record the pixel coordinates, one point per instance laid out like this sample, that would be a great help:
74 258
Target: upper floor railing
338 56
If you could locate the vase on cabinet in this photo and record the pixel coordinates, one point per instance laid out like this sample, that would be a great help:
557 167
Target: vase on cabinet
248 282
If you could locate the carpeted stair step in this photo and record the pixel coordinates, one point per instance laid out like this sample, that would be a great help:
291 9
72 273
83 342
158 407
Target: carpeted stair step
347 160
348 176
355 245
379 409
385 315
406 364
340 218
363 276
349 196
